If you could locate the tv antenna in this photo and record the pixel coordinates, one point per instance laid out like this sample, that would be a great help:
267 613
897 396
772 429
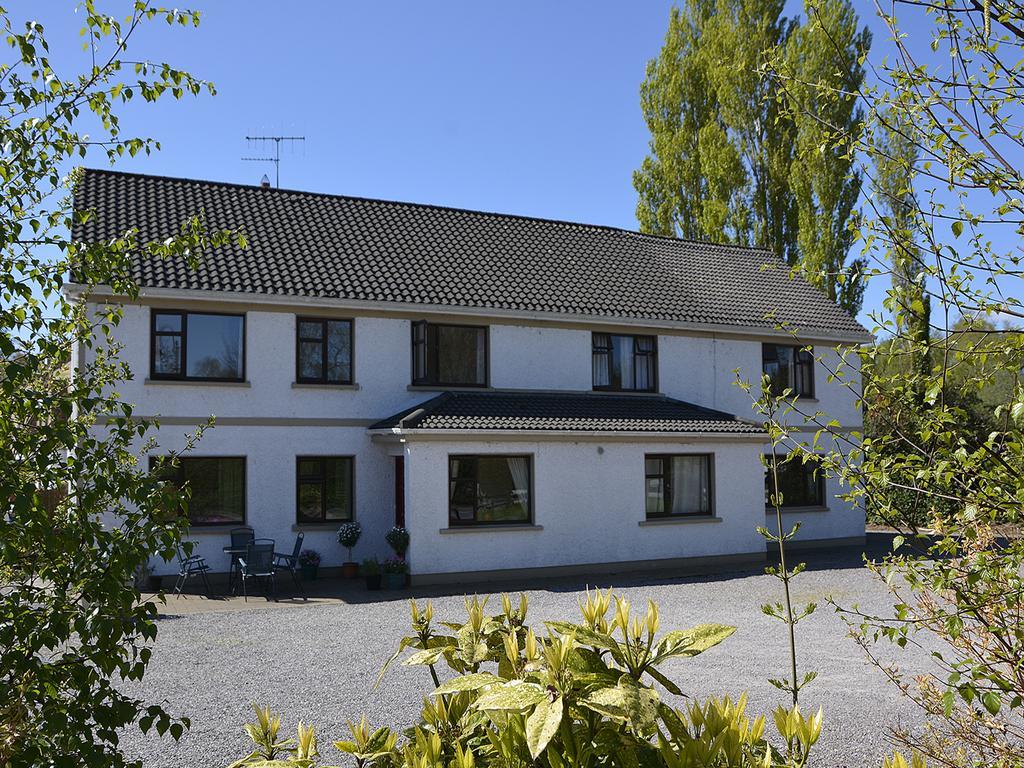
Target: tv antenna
276 159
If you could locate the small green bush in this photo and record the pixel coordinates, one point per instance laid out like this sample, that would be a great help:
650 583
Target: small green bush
583 696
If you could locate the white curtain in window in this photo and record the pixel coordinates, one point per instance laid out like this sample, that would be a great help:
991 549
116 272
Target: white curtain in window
622 353
689 485
643 363
519 468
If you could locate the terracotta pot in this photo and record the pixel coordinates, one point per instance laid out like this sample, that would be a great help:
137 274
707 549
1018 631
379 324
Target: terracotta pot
350 570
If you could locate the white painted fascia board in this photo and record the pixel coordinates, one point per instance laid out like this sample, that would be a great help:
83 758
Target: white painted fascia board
235 297
390 435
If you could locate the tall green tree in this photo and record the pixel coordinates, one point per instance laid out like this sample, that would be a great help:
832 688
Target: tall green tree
727 161
895 153
822 73
72 625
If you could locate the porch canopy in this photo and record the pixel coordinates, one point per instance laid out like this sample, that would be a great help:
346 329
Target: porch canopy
556 412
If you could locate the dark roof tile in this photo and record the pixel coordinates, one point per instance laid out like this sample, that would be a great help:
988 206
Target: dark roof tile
565 411
308 244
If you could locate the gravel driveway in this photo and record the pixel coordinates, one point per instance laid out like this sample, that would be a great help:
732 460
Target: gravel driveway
318 662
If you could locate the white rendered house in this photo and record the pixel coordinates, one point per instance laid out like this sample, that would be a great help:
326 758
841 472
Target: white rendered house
528 397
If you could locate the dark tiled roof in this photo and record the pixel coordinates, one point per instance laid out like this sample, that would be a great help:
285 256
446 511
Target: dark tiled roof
307 244
564 411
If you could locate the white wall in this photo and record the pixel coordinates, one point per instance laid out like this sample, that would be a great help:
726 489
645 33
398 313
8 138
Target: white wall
589 500
270 454
692 368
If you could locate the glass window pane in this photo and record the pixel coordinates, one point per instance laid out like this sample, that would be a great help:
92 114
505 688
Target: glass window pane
311 330
655 497
167 359
217 488
490 489
460 355
310 501
622 362
311 364
503 489
214 346
338 488
309 468
168 323
691 492
602 366
339 351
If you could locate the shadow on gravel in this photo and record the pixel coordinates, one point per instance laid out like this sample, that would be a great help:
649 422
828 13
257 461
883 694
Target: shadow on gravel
353 592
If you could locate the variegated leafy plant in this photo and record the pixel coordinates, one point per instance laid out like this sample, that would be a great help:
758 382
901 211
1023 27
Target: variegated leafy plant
578 695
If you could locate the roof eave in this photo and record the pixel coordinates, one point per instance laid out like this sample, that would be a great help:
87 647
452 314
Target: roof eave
518 435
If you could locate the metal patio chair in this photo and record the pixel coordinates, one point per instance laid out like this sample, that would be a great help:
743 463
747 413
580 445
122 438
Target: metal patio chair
258 563
241 538
191 565
290 563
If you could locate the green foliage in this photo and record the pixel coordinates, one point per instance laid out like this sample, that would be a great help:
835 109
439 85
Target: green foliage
577 698
944 438
774 408
732 156
72 624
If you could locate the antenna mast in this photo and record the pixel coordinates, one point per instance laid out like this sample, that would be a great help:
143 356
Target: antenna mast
276 159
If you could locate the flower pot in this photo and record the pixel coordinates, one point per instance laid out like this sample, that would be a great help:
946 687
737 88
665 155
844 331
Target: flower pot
309 572
394 580
373 581
350 570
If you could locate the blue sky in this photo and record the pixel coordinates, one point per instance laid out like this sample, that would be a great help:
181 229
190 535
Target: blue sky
527 108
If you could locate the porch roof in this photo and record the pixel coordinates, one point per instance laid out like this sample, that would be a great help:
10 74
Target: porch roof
564 412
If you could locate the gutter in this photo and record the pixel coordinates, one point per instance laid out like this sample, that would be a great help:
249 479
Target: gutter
400 434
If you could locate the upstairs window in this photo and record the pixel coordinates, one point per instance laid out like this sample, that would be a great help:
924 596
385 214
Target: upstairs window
197 345
801 484
625 363
789 367
323 351
677 485
449 355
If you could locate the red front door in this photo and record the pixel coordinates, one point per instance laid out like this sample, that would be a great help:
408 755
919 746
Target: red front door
400 491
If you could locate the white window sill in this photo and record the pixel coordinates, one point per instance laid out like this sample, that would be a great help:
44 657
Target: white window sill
331 526
197 383
680 520
304 385
491 528
789 510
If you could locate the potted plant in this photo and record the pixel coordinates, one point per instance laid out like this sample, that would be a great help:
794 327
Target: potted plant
309 562
348 535
371 570
398 539
395 571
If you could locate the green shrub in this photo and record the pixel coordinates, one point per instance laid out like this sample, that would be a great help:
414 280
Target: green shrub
581 695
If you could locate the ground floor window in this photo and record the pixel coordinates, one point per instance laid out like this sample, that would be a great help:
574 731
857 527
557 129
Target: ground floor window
489 489
216 485
678 484
324 489
801 484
